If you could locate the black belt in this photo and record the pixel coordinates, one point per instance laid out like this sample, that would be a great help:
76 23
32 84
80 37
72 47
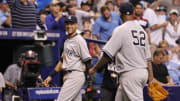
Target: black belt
69 71
66 71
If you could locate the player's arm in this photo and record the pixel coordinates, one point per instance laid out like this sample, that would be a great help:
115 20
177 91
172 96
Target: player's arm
88 65
10 84
105 59
150 71
57 69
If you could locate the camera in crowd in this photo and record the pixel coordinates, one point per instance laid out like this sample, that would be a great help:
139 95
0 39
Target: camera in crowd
30 69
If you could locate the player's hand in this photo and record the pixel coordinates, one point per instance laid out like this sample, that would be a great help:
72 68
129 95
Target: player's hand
152 80
92 71
47 80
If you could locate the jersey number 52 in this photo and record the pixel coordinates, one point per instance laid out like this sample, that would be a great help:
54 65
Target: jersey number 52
138 37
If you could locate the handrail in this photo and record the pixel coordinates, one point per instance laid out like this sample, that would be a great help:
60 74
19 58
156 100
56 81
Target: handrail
96 41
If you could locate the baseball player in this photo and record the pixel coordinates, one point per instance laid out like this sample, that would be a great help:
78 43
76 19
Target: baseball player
129 46
75 56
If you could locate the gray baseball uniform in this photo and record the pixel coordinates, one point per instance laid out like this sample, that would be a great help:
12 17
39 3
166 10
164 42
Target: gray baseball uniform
75 53
129 46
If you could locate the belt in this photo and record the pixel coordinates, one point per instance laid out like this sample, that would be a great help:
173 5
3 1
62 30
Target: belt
69 71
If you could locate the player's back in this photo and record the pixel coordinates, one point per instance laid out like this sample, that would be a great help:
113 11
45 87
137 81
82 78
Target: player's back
134 49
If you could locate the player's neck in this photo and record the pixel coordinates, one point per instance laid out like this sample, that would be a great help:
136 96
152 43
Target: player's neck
72 35
138 17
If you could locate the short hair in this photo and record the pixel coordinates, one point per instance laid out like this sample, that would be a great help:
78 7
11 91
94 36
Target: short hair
69 6
86 19
107 2
140 5
163 42
103 8
159 51
84 31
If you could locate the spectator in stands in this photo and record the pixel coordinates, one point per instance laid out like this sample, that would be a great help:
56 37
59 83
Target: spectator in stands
73 11
100 3
24 14
161 12
93 47
155 25
105 24
55 20
175 5
165 46
43 14
2 85
110 5
172 31
85 6
173 70
87 24
176 53
5 18
73 2
138 13
118 3
12 78
92 5
160 71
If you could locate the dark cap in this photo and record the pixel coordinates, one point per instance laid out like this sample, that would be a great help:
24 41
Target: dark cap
161 8
84 3
71 19
126 8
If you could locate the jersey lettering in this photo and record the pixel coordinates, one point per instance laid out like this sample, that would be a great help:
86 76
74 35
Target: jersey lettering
138 37
69 52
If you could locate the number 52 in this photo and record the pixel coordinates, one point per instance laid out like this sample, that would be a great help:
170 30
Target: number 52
139 37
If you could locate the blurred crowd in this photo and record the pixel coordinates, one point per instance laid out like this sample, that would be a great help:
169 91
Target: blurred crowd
97 20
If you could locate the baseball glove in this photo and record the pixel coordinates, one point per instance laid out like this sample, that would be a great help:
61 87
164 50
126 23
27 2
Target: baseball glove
157 92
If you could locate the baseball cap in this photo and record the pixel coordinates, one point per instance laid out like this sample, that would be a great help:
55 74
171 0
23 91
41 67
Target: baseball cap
126 8
161 8
174 11
71 19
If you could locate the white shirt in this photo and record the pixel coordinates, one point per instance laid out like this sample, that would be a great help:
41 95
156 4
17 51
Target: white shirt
170 35
153 19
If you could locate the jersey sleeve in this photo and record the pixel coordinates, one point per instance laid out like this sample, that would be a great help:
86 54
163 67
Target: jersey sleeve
83 50
115 43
